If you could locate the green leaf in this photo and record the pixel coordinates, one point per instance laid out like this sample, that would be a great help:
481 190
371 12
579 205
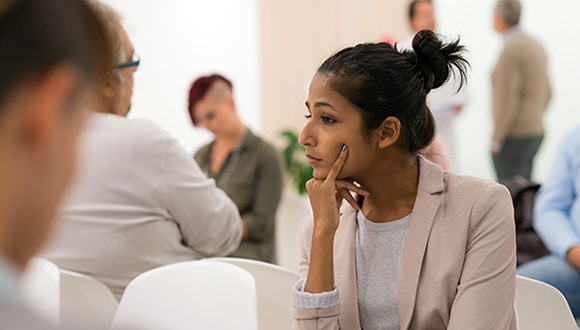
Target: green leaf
296 167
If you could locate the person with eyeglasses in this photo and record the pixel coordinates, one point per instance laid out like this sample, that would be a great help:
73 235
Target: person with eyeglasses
139 201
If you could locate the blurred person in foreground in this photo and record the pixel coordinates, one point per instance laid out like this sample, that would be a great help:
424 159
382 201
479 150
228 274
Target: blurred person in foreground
520 95
246 167
54 54
445 102
557 221
139 201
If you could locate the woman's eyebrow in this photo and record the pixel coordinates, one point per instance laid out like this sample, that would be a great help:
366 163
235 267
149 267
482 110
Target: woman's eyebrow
321 104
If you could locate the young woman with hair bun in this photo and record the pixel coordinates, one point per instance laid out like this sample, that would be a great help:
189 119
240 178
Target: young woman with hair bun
394 241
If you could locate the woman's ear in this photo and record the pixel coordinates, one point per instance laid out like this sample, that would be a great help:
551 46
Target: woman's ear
388 132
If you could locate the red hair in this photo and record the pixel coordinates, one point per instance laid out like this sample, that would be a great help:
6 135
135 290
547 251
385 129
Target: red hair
199 89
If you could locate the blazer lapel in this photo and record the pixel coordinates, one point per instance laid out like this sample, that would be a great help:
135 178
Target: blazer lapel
427 204
345 268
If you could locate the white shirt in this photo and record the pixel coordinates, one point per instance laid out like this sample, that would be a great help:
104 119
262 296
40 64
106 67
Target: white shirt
139 202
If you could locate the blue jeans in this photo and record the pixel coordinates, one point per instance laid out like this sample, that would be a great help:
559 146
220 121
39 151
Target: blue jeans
558 273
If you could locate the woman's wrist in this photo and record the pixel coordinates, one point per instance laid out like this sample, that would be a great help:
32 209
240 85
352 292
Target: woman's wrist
324 231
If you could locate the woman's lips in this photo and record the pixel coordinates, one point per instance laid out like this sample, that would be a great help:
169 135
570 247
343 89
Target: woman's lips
313 160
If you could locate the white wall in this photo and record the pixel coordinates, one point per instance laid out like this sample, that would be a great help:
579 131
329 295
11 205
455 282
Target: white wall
179 40
555 24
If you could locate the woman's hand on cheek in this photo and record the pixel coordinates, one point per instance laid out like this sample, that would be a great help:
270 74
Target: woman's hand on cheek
327 194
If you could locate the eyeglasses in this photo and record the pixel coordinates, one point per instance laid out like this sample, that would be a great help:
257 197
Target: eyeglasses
132 63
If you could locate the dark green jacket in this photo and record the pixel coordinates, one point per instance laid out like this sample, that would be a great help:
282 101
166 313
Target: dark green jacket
252 177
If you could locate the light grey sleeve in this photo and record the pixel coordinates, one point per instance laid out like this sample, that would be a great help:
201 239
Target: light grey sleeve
209 221
309 300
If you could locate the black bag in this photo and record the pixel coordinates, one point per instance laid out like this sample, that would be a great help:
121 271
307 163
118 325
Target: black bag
529 244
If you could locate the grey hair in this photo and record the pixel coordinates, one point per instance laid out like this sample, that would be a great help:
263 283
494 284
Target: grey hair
509 10
112 22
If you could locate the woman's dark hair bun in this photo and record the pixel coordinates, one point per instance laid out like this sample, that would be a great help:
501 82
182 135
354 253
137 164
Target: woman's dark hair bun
437 60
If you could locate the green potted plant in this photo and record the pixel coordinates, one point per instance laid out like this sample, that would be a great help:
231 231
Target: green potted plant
295 164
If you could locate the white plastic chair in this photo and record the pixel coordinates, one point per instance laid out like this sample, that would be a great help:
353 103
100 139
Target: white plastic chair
40 284
85 300
190 295
274 286
540 306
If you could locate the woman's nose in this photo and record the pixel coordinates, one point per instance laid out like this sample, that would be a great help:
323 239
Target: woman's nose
305 137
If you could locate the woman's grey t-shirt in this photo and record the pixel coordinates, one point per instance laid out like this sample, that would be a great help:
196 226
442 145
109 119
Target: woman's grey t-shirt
379 253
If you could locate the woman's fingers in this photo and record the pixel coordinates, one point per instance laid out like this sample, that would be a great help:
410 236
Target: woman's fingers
338 163
345 194
351 186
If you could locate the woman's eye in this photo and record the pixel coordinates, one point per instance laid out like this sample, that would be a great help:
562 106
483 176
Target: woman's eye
308 116
328 120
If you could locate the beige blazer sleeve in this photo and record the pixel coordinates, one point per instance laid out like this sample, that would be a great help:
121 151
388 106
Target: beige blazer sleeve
310 319
486 291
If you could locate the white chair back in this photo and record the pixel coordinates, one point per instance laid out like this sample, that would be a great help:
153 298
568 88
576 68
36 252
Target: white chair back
190 295
41 289
540 306
85 300
292 210
274 286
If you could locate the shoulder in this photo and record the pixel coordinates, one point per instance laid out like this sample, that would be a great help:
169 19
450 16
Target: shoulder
204 150
149 131
484 202
134 129
569 145
457 182
572 137
522 41
264 150
140 137
460 189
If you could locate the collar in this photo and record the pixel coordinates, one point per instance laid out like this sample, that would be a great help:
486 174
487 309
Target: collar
511 33
431 181
249 140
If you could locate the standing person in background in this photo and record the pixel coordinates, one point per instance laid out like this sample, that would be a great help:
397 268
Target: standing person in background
246 167
54 54
445 102
557 221
139 200
520 95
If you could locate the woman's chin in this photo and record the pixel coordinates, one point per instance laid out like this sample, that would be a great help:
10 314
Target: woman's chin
319 174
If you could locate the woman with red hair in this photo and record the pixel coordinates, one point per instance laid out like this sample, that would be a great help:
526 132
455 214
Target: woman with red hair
246 167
